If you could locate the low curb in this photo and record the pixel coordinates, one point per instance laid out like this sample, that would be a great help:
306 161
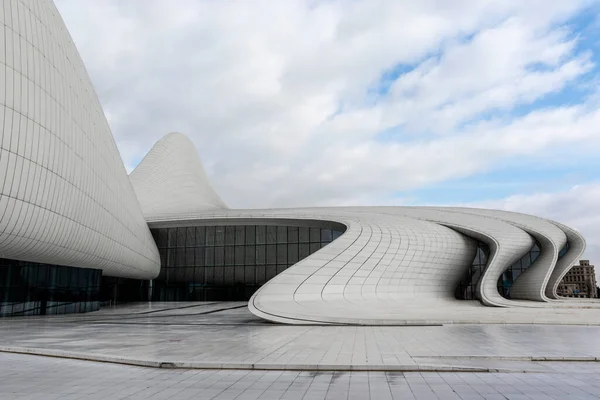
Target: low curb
173 364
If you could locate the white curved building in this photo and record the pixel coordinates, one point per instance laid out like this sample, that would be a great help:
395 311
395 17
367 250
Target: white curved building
75 228
65 198
64 193
170 181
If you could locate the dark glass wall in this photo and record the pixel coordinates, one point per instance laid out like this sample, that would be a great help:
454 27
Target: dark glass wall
28 288
229 262
466 288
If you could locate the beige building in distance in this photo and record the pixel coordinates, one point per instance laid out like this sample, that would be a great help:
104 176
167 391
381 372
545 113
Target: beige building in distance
580 282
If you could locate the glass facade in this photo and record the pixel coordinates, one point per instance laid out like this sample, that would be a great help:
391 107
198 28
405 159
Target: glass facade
230 262
466 288
28 288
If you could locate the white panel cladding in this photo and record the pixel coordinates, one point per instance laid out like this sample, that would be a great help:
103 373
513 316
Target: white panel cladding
393 261
531 284
65 197
576 249
170 181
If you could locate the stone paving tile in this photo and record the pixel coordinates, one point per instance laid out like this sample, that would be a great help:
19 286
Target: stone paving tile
226 333
34 377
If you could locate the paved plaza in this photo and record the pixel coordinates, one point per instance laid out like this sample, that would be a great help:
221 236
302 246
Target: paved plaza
220 350
44 378
227 335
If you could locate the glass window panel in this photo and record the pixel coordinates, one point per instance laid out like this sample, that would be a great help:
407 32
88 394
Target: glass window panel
534 256
281 254
229 235
250 255
199 274
249 277
314 247
200 235
180 257
154 233
292 253
303 250
261 255
172 237
190 256
228 275
240 233
219 256
303 235
190 275
190 237
239 255
282 234
271 272
161 237
73 278
181 232
220 275
209 275
219 236
271 234
261 234
271 254
336 234
162 275
326 235
292 234
315 235
171 258
238 276
260 274
229 255
281 268
63 278
199 256
209 259
210 236
250 234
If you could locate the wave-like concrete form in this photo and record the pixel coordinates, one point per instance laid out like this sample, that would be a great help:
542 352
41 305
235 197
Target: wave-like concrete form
531 284
393 263
576 248
170 181
389 262
65 197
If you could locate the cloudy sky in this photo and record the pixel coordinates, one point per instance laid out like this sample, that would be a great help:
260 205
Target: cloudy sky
362 102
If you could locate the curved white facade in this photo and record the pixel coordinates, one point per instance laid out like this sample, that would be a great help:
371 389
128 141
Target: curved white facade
394 261
65 197
170 181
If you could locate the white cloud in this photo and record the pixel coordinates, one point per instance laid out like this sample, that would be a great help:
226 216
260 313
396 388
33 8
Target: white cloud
576 207
277 95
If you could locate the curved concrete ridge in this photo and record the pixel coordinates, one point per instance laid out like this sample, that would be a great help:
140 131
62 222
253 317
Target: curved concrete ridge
576 249
507 244
531 284
375 265
170 181
393 261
